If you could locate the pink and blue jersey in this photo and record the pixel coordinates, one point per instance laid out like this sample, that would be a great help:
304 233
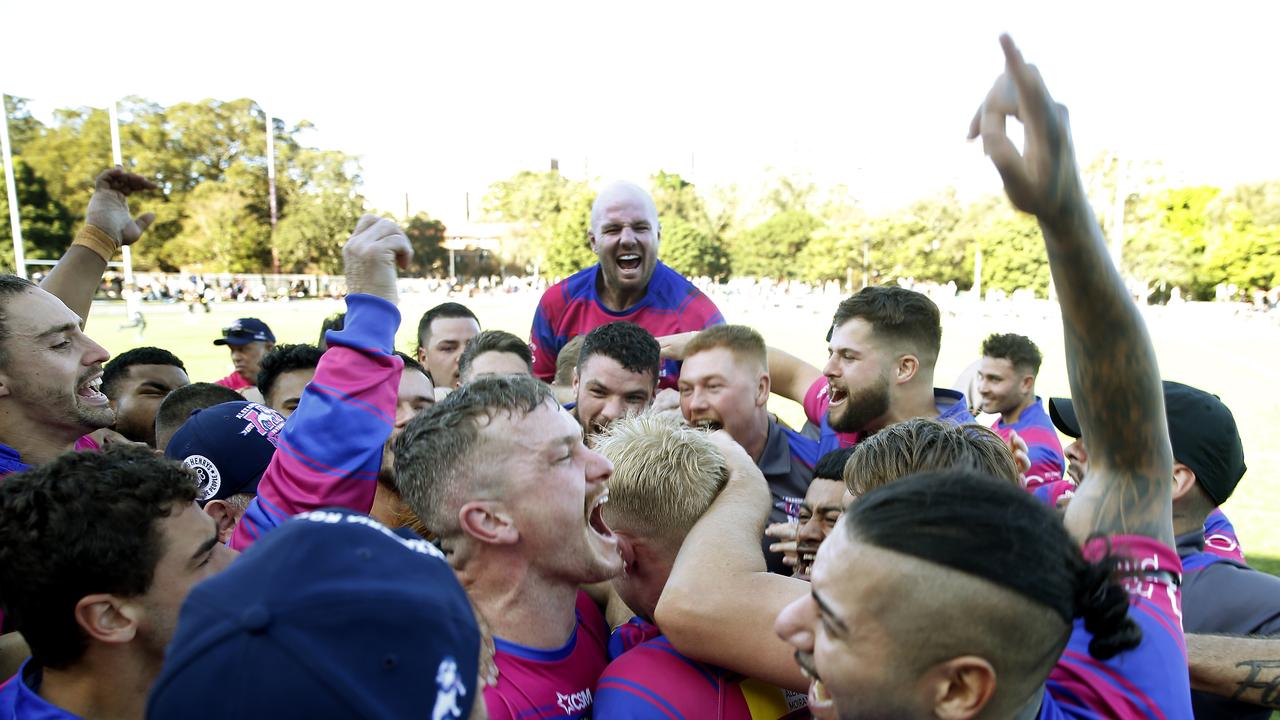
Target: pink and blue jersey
572 307
951 405
1043 446
555 684
330 450
648 679
1149 681
1220 538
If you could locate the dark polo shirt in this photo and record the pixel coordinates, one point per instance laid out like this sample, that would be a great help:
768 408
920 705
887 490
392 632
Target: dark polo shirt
787 464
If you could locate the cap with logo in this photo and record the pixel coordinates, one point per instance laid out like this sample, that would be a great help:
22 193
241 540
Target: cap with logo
245 331
228 446
1202 433
330 615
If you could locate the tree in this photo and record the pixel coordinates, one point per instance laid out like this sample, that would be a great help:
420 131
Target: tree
1013 256
534 202
691 251
222 233
427 238
310 237
46 224
1242 243
1167 244
569 247
770 249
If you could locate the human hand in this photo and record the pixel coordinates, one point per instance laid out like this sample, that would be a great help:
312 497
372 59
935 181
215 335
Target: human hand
109 207
107 436
743 473
671 347
786 532
667 400
371 255
1021 453
1043 180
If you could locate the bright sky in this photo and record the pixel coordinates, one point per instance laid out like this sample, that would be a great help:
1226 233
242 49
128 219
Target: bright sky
440 99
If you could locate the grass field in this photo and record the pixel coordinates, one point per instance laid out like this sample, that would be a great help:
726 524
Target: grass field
1208 346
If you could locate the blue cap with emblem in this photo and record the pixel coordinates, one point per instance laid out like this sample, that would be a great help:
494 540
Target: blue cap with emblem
228 446
330 615
245 331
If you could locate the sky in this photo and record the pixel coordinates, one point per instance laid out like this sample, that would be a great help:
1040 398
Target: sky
439 100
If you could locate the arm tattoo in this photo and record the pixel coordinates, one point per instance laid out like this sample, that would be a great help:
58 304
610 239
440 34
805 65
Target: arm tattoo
1264 678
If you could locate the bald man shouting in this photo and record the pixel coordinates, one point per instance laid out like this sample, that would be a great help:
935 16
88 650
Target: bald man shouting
628 283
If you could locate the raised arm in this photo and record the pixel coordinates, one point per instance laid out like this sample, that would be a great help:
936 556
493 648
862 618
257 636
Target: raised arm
719 605
107 228
1246 669
1115 382
330 450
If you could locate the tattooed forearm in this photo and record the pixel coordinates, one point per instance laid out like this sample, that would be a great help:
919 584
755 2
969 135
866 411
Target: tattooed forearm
1115 387
1262 686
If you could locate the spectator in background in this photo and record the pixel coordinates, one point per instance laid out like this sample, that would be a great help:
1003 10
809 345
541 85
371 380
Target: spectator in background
98 608
136 382
628 283
1007 385
725 384
617 375
249 340
443 333
284 372
335 322
179 404
494 352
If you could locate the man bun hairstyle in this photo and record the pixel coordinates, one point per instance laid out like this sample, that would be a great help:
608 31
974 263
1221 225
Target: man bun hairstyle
627 344
998 533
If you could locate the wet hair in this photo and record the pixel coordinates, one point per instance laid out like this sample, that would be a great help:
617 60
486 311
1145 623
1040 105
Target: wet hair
627 344
1017 349
443 310
118 368
924 444
10 286
831 465
178 405
744 342
567 361
493 341
904 317
83 523
283 359
665 475
998 533
435 453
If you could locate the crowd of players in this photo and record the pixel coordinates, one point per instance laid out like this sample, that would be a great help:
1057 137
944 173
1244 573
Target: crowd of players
606 520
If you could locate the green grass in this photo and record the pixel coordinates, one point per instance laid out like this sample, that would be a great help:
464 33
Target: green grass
1206 346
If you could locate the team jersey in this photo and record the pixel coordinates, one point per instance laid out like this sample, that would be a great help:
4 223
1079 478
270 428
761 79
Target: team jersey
787 465
1043 446
1052 493
648 679
952 408
1149 681
1220 537
234 381
555 684
572 307
330 450
20 697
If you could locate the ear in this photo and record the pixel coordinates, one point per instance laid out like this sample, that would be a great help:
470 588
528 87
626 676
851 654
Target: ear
591 240
575 382
960 688
628 552
763 389
1028 384
6 384
489 522
908 366
224 516
1184 479
422 355
107 619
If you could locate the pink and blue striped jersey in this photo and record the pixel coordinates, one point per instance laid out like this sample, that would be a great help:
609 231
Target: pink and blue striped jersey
572 307
1149 681
330 450
649 679
555 684
1043 446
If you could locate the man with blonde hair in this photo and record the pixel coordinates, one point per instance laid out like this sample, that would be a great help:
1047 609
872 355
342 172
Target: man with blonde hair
725 384
922 445
666 475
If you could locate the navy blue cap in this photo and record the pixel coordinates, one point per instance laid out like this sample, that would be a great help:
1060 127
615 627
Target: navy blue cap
228 446
1202 433
330 615
245 331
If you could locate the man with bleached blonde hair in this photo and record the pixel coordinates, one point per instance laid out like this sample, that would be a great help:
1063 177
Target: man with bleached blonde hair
665 476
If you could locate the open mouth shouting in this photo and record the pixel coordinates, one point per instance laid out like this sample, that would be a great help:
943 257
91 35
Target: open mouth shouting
595 518
805 555
708 423
89 391
837 393
820 703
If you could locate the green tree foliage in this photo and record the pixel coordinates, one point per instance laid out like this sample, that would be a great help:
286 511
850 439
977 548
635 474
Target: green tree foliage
1013 256
1242 244
310 237
210 159
534 203
427 236
569 244
1166 245
691 251
46 223
770 249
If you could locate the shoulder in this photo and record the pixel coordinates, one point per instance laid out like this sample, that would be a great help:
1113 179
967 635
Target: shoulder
577 287
802 447
654 673
1225 597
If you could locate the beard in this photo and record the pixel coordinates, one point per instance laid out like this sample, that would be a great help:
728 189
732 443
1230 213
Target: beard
62 408
862 407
